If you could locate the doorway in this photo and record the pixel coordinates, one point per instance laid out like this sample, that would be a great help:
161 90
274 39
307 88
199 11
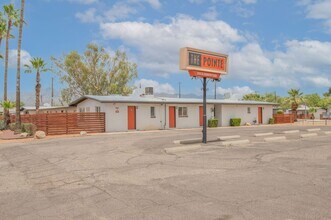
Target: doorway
131 117
260 115
172 117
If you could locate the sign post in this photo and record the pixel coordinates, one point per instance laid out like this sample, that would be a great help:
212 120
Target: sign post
205 65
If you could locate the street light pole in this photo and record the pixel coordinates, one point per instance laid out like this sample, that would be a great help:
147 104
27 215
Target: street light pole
204 131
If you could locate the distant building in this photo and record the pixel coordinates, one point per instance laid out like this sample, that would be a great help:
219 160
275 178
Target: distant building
43 109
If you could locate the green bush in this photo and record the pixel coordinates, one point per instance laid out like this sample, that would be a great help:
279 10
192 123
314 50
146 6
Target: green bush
280 112
25 128
235 121
2 125
213 123
271 121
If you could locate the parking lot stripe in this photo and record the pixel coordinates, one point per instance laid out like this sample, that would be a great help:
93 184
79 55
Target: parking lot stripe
237 142
327 132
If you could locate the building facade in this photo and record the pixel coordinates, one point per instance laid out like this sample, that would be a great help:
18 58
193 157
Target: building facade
124 113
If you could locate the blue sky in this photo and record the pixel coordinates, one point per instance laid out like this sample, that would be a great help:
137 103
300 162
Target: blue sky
273 45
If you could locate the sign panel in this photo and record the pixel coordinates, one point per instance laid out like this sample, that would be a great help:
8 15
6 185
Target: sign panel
203 61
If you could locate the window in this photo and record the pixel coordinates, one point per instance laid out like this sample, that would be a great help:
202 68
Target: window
248 110
87 109
182 112
81 110
152 112
97 109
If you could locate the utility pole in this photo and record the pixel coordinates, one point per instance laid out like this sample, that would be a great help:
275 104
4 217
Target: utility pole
215 96
179 90
52 99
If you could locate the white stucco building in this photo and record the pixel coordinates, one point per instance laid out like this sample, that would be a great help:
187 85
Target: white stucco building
125 113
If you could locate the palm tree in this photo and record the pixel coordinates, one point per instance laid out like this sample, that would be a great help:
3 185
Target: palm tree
12 20
3 28
18 73
39 66
6 105
295 98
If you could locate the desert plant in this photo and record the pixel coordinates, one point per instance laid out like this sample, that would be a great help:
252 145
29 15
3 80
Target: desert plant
28 128
235 121
271 121
280 112
213 123
2 125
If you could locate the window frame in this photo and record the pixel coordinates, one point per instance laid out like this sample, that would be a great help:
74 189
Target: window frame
182 112
152 112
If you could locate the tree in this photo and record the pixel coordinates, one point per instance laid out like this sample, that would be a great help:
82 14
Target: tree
18 73
328 93
294 99
325 104
3 28
95 72
7 105
253 97
12 20
39 66
312 100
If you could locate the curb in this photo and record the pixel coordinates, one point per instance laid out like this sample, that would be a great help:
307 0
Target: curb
272 139
223 138
188 141
263 134
291 132
308 135
238 142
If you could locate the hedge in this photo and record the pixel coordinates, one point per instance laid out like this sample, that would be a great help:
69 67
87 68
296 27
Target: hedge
213 123
235 121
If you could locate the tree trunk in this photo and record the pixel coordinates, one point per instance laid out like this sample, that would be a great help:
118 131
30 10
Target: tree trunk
5 81
38 86
18 73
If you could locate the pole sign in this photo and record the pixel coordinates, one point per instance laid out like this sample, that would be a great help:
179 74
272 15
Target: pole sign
203 64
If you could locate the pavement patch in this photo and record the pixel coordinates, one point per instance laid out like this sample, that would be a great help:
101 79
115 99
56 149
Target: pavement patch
313 129
237 142
308 135
181 148
263 134
291 132
273 139
224 138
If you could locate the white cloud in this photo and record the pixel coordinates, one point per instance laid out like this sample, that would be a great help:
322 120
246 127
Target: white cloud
88 16
235 93
12 58
211 14
319 81
158 43
153 3
319 10
85 2
158 87
235 1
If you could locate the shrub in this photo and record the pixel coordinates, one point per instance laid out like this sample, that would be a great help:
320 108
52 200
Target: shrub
213 123
25 128
2 125
271 121
235 121
280 112
28 128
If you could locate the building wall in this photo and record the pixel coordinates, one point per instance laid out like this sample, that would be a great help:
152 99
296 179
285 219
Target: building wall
117 114
50 110
226 112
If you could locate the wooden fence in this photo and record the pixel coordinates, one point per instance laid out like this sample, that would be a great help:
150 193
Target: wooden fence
66 123
283 118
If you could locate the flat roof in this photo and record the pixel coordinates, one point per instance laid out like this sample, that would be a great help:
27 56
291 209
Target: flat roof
160 100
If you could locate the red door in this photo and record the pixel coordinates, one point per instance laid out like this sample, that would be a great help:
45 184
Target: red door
131 117
172 116
260 115
201 115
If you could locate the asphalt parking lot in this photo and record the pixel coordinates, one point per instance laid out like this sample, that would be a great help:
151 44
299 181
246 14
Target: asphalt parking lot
131 176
